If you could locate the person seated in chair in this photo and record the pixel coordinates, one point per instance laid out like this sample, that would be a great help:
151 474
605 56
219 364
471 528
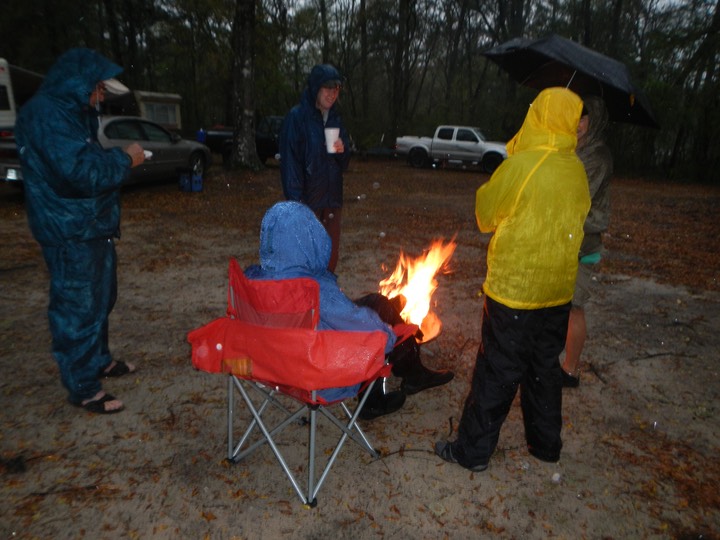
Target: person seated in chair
293 243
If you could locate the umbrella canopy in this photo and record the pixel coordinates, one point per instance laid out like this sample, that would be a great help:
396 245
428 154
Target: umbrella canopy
557 61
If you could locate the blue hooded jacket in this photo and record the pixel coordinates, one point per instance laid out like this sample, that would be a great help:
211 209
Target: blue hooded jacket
293 243
71 183
309 174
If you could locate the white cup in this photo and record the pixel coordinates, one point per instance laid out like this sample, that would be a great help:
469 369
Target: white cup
331 135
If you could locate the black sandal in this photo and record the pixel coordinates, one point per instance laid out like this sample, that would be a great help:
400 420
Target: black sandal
118 370
97 406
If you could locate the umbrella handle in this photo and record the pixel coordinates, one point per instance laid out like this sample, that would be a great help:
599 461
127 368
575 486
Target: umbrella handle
567 87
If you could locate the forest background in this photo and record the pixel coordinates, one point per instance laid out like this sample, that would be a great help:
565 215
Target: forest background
408 65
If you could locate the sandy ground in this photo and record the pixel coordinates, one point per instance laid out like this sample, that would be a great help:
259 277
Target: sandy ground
641 433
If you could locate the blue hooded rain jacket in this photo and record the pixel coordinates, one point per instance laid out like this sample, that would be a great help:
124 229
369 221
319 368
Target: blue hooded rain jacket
73 205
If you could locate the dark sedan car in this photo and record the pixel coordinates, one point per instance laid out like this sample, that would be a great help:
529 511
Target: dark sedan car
170 152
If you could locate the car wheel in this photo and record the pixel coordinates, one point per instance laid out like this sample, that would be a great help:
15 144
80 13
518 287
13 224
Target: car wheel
418 158
490 162
197 163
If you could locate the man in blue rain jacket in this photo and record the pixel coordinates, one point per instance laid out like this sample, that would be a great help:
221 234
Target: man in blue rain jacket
73 206
310 173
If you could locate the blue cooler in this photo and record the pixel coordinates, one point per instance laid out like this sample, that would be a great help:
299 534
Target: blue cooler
185 180
196 182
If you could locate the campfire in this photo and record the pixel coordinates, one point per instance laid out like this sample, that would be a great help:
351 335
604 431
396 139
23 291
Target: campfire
413 283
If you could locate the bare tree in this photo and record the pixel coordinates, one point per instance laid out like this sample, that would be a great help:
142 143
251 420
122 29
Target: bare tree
364 74
244 152
113 28
400 82
322 7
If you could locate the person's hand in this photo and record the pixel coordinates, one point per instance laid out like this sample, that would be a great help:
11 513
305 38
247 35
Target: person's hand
339 146
136 153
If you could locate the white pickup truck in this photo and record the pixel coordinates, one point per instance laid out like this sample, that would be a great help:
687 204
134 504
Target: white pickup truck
452 144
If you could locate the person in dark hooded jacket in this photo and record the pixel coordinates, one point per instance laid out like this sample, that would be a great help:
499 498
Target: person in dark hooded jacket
294 244
310 174
73 205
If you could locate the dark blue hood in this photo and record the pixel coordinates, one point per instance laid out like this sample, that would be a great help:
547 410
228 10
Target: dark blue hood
319 75
76 73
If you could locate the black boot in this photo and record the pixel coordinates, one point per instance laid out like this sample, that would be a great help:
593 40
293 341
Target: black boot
379 403
422 378
406 363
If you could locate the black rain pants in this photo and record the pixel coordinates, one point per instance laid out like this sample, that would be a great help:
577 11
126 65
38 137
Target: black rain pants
519 349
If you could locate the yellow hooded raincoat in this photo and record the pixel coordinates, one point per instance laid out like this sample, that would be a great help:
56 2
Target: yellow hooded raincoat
535 204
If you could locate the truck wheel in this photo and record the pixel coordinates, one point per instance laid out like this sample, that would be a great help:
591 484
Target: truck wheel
418 158
490 162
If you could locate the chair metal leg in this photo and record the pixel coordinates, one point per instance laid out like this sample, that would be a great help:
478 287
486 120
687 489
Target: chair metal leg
234 453
237 455
230 417
273 446
311 454
349 428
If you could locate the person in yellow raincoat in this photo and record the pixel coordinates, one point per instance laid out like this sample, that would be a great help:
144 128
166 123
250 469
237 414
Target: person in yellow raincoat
535 205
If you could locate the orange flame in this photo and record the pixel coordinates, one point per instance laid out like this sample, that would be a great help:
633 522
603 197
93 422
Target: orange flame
414 280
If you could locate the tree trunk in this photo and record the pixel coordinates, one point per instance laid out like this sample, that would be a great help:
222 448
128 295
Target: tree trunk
398 102
113 27
133 24
244 151
617 11
325 32
364 73
586 14
454 32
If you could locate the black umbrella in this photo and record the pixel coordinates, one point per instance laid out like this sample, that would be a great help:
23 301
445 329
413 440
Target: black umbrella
556 61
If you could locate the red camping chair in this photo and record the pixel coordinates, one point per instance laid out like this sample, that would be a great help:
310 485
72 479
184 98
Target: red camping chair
268 343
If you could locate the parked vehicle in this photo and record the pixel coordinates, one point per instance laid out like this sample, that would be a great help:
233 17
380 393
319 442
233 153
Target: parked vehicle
452 144
170 152
267 138
17 85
